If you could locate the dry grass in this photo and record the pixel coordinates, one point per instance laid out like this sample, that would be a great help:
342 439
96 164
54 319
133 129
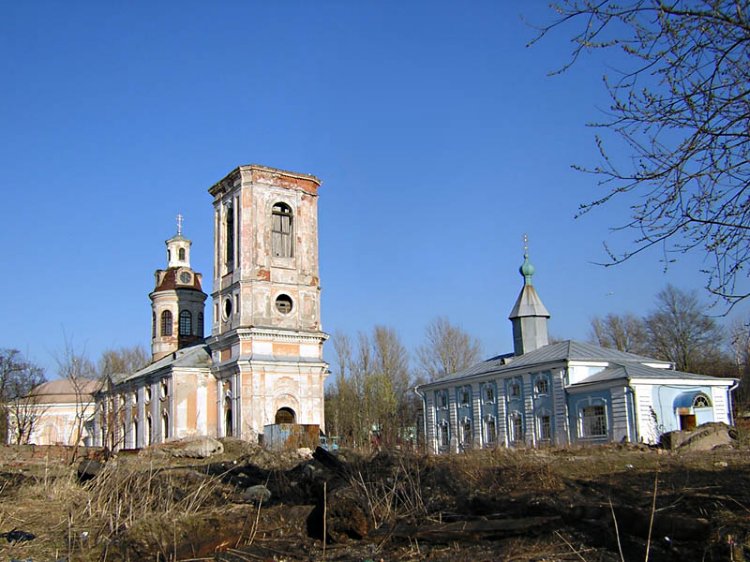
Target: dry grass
82 522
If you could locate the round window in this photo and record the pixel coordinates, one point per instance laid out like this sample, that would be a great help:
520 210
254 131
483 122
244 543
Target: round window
284 304
227 308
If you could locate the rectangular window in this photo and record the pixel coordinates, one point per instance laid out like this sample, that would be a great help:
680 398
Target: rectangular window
490 430
229 237
465 394
545 427
489 393
466 432
516 428
542 386
594 421
444 436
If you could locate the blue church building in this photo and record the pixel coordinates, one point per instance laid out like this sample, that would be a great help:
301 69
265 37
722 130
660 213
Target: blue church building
563 393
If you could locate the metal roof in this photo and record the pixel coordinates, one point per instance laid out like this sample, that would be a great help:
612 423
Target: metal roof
564 351
193 356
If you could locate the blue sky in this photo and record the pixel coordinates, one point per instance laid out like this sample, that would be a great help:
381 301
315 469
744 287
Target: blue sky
439 137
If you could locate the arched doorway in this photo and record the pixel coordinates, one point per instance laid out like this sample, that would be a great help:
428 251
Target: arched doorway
285 415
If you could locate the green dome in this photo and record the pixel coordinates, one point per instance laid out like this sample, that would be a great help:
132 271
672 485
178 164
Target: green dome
526 269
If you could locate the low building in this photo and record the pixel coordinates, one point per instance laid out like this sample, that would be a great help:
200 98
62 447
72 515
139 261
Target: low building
58 412
565 393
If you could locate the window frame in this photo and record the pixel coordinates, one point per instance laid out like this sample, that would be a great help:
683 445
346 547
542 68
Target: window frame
542 425
441 399
488 393
464 395
167 321
544 382
185 327
282 230
594 426
516 429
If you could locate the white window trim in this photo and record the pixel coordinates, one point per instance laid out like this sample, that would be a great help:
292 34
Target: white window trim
587 404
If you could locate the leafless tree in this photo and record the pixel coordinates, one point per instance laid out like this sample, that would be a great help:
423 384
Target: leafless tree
624 332
370 396
679 331
122 360
447 349
739 334
75 367
680 104
20 411
110 411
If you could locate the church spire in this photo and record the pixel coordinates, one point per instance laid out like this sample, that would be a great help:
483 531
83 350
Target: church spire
529 315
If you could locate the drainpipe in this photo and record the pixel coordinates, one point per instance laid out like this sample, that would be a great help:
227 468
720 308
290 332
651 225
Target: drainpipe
424 412
731 402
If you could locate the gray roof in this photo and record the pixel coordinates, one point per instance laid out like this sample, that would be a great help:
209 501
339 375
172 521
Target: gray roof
631 371
568 350
528 304
193 356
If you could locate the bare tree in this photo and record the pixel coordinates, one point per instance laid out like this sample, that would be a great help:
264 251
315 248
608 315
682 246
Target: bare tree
370 395
110 412
75 367
624 332
122 360
680 104
739 334
20 411
680 331
447 349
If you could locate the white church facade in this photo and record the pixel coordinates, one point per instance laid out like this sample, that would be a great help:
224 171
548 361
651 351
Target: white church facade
564 393
263 362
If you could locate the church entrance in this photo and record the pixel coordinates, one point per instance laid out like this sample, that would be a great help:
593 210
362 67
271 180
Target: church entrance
285 415
687 422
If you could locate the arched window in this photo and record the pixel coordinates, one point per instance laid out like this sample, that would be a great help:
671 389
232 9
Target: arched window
181 254
165 426
281 231
228 431
186 323
701 401
166 323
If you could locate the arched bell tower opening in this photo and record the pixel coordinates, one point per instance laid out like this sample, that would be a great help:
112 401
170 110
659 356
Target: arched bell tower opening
285 415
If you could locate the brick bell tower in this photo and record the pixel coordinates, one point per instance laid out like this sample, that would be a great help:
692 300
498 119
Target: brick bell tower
177 302
266 343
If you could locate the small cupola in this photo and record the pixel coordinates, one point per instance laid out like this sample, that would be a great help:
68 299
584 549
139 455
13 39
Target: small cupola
529 316
178 248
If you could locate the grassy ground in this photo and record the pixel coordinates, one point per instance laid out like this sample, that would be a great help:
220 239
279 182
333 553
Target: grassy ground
603 503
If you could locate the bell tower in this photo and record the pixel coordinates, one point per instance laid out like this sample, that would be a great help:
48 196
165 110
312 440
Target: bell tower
177 302
267 343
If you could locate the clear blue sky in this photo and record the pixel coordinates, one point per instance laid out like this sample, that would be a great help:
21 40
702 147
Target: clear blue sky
438 135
